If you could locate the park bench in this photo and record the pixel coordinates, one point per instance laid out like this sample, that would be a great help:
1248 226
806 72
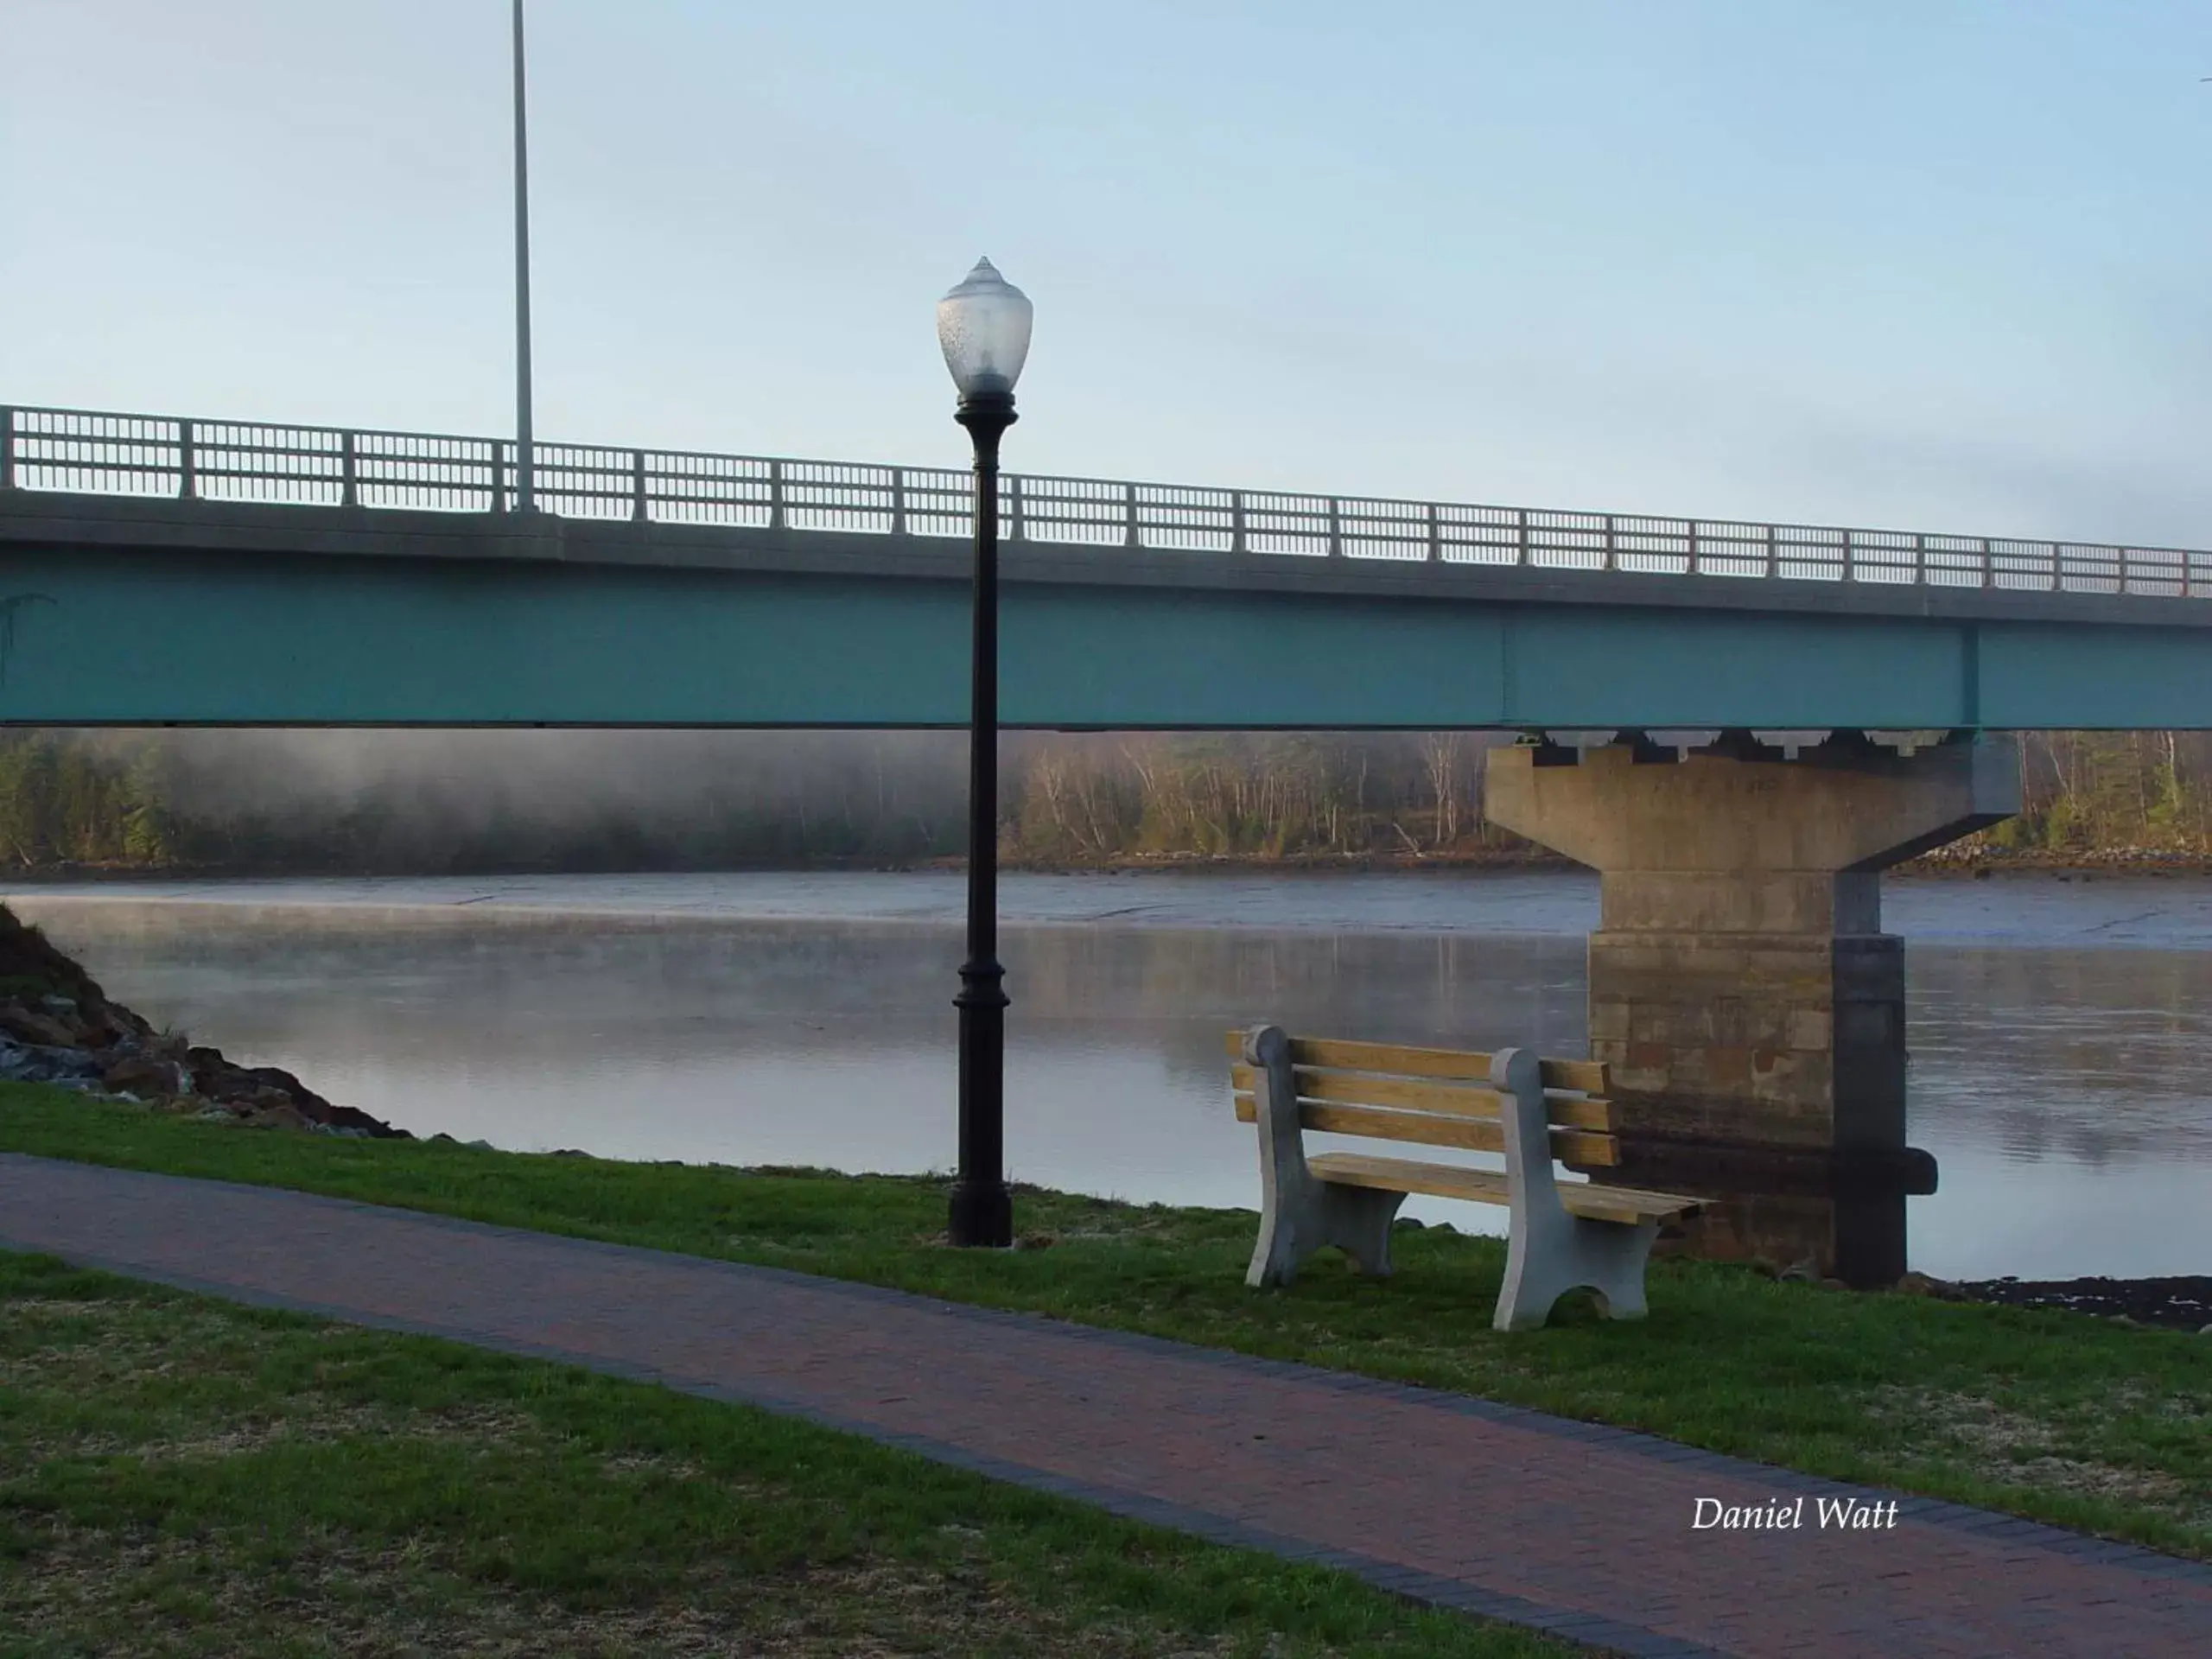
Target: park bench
1564 1235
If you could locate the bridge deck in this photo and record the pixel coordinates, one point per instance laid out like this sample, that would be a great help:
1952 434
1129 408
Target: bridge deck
210 572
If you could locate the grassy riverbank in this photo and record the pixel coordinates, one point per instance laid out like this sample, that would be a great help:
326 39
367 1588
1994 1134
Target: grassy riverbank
182 1476
2066 1419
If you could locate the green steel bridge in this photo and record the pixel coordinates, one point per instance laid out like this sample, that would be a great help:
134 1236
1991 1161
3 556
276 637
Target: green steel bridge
162 570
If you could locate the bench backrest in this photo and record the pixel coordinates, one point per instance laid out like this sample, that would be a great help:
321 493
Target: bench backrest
1440 1096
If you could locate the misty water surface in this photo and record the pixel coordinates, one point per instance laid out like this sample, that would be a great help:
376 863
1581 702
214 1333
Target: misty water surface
2057 1029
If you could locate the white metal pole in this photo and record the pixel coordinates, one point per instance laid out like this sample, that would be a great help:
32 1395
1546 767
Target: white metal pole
525 457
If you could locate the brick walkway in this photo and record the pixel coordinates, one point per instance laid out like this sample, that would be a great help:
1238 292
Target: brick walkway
1581 1530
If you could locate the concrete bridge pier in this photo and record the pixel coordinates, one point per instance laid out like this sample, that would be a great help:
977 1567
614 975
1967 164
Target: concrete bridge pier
1740 982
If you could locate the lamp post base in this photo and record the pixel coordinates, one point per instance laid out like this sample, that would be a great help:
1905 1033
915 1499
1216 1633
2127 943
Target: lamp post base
982 1211
982 1216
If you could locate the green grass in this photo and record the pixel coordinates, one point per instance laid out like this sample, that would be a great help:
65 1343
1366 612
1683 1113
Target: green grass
182 1476
2053 1415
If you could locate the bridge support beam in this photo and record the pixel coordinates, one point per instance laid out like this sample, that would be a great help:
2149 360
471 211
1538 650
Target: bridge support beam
1739 982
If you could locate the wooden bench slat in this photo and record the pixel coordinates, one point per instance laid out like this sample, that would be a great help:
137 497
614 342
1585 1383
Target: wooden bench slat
1455 1099
1399 1059
1488 1186
1463 1100
1626 1203
1585 1077
1405 1175
1432 1128
1564 1110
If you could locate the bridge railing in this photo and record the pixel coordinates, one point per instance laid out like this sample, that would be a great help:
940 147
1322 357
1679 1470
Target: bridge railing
102 452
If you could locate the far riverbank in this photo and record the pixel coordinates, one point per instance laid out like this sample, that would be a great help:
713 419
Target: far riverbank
1969 859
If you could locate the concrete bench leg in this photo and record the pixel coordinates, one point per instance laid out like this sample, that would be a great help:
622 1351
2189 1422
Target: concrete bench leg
1542 1264
1299 1214
1356 1219
1552 1252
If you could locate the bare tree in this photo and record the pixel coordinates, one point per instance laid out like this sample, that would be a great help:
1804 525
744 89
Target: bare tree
1442 754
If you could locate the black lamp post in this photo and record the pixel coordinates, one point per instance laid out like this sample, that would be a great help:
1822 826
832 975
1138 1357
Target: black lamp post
984 326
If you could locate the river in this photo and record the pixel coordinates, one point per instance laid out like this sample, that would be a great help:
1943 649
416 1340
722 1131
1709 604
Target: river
2060 1039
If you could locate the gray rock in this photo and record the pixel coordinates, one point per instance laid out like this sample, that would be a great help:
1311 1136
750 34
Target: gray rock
22 1062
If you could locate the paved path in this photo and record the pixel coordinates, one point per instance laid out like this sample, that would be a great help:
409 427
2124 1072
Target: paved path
1581 1531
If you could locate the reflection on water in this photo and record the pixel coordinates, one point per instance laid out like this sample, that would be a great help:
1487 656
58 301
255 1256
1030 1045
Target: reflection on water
2059 1086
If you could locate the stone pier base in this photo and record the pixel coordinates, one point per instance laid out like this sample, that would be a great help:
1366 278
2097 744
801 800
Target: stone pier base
1740 986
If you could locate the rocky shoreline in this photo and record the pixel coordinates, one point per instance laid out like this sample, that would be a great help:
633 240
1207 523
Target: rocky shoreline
57 1027
2182 1304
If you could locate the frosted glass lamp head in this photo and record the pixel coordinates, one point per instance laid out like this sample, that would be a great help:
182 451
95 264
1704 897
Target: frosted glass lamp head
984 326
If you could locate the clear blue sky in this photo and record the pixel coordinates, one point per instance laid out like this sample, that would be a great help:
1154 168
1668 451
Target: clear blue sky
1929 262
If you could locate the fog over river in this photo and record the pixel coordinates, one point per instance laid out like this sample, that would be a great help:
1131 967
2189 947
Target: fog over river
2060 1031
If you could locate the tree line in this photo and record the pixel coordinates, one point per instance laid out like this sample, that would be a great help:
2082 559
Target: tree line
415 803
